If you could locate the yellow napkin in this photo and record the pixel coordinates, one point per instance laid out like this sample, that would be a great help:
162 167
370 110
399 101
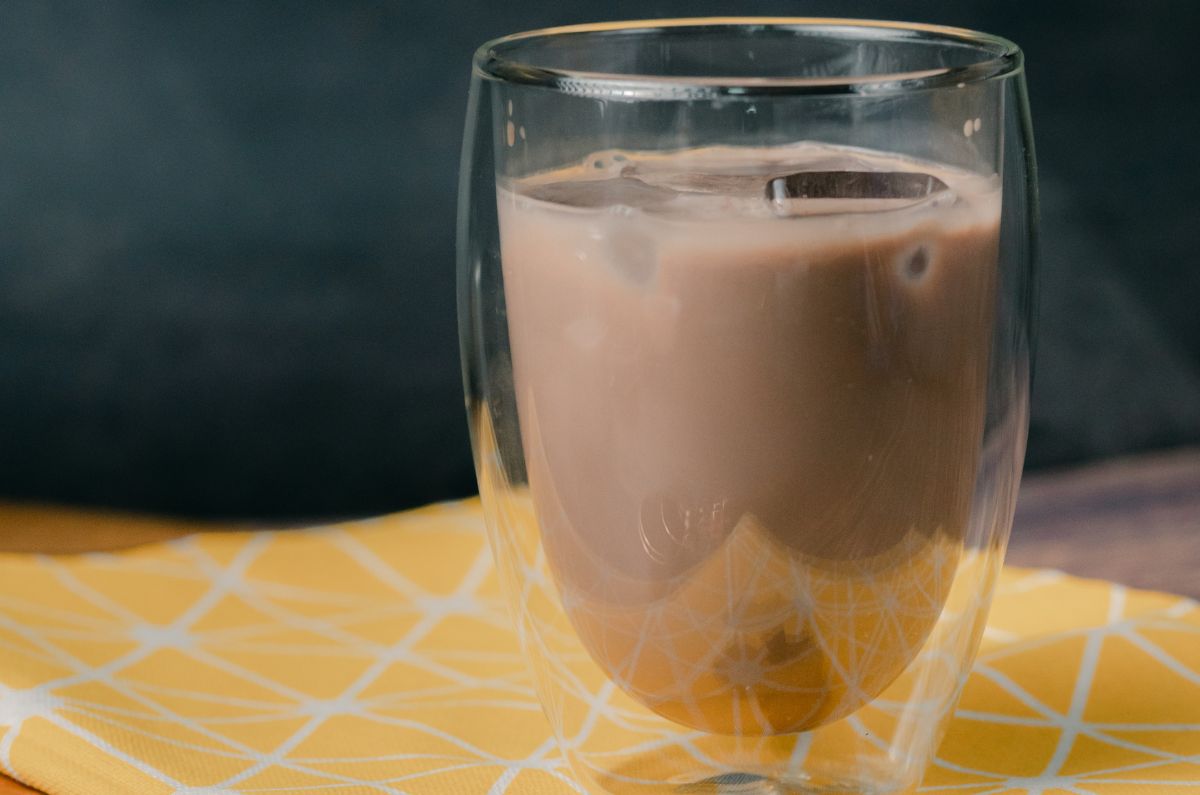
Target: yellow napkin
377 657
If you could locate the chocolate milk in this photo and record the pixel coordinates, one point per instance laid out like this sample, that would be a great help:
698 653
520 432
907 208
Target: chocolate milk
751 405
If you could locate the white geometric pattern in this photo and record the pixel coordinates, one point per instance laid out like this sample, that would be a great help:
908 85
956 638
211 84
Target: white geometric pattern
378 657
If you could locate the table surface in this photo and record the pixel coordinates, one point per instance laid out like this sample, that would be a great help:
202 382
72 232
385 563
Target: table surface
1132 520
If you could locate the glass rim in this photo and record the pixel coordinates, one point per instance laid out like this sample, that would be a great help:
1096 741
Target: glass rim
999 58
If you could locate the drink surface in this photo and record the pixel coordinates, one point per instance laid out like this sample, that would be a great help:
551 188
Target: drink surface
751 389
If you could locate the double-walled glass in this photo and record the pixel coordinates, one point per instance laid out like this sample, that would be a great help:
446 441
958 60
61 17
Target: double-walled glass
745 314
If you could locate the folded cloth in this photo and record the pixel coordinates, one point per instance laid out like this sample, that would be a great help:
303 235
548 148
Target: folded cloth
377 657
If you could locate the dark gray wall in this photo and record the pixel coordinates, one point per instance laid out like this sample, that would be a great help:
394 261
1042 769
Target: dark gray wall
226 240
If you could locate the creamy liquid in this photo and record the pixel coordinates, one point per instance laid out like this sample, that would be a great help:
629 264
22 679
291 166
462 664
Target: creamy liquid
750 425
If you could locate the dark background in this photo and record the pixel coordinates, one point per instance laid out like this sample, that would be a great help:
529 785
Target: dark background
226 240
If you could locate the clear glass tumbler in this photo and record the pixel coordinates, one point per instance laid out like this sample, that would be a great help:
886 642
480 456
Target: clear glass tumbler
745 313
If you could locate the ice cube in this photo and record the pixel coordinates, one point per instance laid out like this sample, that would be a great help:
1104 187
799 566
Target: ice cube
630 252
854 185
619 191
707 183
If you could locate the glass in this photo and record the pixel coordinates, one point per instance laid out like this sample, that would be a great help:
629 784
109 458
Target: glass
745 315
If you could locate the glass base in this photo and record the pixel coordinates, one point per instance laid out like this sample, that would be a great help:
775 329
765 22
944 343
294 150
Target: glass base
754 784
